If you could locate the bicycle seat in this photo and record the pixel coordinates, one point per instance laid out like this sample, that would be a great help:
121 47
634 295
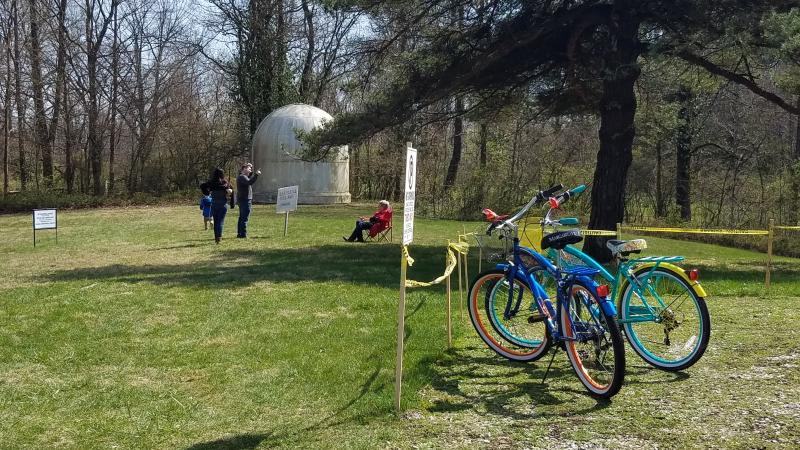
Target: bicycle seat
625 248
561 239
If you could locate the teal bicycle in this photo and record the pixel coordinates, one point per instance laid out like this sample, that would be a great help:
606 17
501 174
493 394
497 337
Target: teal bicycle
662 308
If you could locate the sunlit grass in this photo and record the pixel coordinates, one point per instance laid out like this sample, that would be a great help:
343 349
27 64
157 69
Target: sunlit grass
136 331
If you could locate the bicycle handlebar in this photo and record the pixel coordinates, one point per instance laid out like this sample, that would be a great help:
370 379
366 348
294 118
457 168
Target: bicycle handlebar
538 198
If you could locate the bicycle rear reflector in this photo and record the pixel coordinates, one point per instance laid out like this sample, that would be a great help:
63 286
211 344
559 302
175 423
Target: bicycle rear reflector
602 290
694 274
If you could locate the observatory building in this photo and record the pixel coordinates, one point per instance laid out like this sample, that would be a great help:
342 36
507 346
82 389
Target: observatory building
276 152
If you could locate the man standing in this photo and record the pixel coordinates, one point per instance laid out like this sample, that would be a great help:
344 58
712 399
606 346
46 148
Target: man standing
244 184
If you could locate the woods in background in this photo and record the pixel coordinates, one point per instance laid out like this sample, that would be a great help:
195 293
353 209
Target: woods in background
678 112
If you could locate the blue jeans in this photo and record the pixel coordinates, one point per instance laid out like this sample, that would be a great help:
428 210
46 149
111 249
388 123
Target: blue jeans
358 233
244 215
218 210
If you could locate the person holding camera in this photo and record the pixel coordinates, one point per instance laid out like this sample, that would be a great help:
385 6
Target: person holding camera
244 184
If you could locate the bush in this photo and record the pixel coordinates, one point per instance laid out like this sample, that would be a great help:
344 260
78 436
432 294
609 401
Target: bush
28 200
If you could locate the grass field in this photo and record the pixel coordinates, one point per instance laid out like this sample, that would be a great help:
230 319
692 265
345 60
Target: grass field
136 331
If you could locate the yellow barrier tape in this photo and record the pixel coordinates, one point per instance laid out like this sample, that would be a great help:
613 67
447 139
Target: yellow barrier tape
787 228
452 249
698 231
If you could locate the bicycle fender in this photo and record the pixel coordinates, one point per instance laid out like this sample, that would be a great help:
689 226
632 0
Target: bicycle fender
608 306
696 286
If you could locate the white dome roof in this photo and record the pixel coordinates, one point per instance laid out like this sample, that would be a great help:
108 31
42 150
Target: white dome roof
276 151
275 136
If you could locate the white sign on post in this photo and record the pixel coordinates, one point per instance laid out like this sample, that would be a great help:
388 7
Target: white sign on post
287 199
408 236
411 188
45 219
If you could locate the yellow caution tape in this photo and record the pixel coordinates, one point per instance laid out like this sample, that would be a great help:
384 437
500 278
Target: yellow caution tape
787 228
452 249
409 259
698 231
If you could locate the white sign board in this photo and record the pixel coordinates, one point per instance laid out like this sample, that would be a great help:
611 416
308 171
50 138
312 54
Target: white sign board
411 188
287 199
45 219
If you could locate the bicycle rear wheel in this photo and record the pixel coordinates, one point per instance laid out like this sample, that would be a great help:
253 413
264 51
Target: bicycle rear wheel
666 322
593 342
504 325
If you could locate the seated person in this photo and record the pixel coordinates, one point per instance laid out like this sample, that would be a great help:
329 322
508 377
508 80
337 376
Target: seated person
378 222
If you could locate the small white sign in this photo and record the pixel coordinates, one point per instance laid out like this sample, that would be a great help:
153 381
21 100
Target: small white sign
45 219
287 199
410 188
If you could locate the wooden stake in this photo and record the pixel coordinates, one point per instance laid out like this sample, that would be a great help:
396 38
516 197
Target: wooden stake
401 333
449 315
460 291
769 254
619 231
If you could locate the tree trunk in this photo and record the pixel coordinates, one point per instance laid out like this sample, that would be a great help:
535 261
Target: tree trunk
683 154
112 140
794 172
308 65
661 207
458 144
39 114
69 167
23 174
617 112
6 114
483 138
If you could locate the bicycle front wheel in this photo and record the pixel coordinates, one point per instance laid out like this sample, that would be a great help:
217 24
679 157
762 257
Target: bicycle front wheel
502 321
665 321
593 342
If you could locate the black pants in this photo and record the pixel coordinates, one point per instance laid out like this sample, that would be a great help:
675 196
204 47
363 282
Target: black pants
358 233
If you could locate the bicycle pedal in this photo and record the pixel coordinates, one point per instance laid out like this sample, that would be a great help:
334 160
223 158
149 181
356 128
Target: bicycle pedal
534 318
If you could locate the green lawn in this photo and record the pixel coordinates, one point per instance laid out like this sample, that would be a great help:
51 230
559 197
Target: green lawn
136 331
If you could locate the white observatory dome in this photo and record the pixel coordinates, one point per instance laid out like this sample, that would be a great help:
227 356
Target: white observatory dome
276 152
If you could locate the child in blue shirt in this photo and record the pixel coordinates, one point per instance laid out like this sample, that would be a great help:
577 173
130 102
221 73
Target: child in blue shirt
205 206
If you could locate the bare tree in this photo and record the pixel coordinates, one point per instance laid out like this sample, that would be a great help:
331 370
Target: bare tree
15 25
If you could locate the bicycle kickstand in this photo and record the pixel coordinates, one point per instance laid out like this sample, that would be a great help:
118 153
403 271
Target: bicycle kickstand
547 372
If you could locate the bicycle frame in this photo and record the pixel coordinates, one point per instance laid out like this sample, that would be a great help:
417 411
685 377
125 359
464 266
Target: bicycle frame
565 279
645 313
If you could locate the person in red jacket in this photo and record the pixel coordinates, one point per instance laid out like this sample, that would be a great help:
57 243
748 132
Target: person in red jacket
375 224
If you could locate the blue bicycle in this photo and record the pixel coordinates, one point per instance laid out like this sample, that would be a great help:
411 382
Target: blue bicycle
662 309
582 322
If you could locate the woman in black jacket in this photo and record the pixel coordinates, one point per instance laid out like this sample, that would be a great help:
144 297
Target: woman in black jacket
220 189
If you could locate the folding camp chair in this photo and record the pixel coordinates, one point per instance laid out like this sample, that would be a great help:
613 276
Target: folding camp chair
384 235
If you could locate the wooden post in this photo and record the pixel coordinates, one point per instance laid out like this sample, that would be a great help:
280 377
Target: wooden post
619 230
449 310
401 333
460 292
480 257
466 271
286 224
769 254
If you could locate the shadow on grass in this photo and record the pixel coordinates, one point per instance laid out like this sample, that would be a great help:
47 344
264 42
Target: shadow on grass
339 417
237 442
364 264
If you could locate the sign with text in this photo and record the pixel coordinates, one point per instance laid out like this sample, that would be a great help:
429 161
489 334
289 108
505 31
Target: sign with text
410 188
287 199
45 219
